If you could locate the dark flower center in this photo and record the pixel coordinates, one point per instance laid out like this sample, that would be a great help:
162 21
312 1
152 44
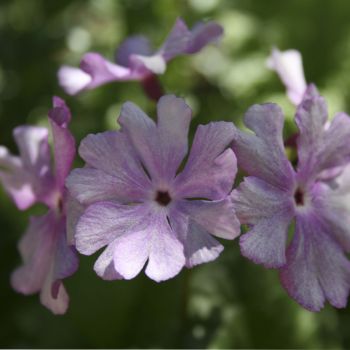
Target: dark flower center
163 198
299 196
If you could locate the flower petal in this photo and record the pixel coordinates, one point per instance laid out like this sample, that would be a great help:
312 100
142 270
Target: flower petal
202 34
216 217
137 44
103 222
73 80
210 169
64 143
104 265
269 211
177 41
174 118
161 148
59 303
36 248
199 246
262 154
289 67
117 165
166 252
321 146
317 269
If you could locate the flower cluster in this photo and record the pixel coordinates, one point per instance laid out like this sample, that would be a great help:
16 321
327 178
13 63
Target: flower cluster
138 199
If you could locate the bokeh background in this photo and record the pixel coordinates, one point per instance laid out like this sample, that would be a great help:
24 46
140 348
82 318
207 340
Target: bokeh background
225 304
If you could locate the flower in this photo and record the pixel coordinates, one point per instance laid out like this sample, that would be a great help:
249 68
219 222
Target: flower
289 67
29 179
313 267
135 59
140 207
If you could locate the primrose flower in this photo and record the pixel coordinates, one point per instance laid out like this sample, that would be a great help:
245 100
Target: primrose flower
313 267
135 59
29 178
289 67
142 206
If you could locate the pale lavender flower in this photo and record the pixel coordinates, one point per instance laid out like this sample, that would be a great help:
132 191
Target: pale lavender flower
135 60
289 67
313 267
29 179
141 206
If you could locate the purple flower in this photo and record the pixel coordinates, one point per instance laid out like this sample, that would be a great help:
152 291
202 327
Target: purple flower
141 206
313 267
29 178
135 60
289 67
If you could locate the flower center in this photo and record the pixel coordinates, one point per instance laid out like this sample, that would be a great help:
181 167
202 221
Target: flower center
299 197
163 198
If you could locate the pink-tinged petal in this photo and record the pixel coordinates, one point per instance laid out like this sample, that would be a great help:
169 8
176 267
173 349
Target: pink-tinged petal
289 67
216 217
269 212
202 34
177 41
103 222
103 71
28 178
199 246
211 168
262 154
58 303
64 143
104 265
16 180
36 248
34 149
137 44
73 80
317 269
321 145
166 252
161 148
117 167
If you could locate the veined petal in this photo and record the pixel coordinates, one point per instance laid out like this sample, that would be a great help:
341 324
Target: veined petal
262 154
161 148
211 168
320 146
269 211
166 252
74 211
64 143
199 246
103 222
174 118
289 67
116 163
216 217
317 269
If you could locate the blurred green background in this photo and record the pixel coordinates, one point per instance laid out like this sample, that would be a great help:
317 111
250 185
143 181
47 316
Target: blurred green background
225 304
